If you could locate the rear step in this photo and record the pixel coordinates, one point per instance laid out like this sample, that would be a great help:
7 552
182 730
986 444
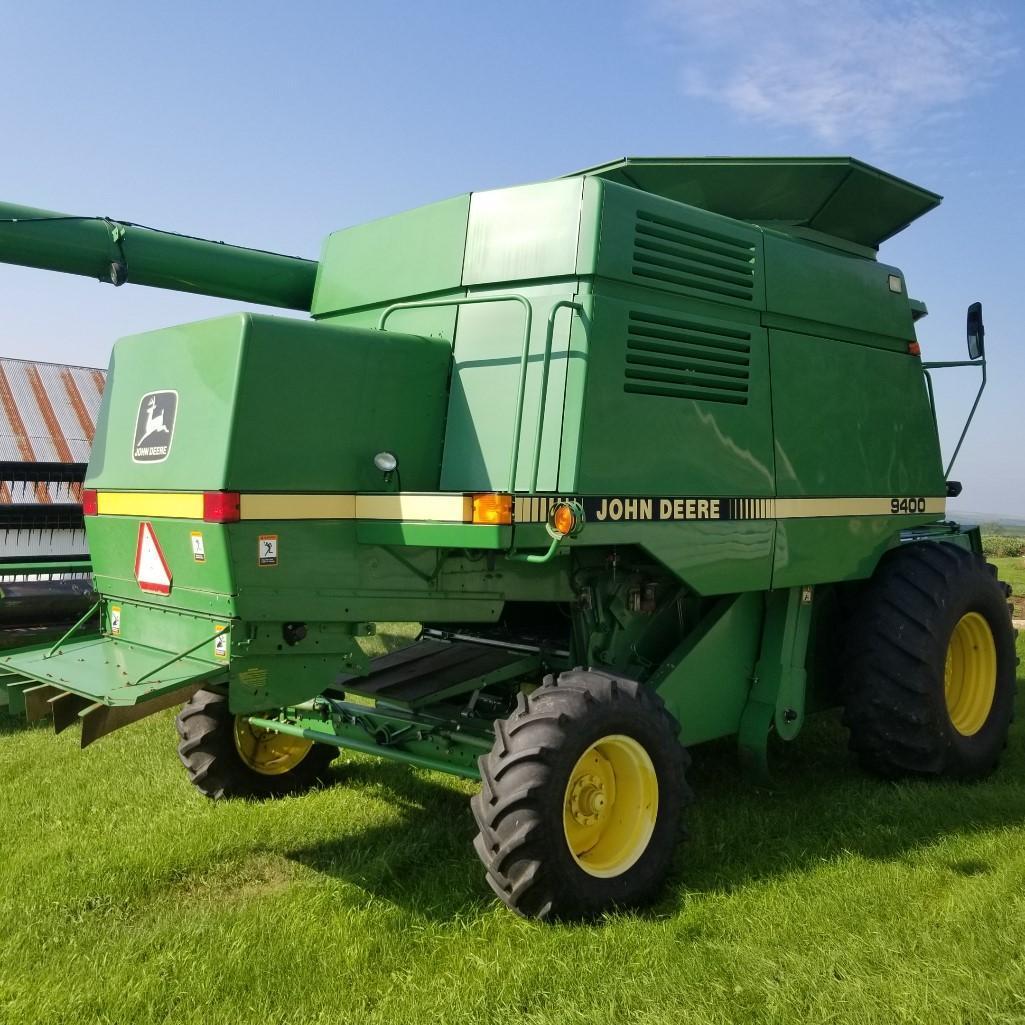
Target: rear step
431 669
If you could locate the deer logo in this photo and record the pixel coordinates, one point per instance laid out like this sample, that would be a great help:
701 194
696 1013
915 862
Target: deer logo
154 426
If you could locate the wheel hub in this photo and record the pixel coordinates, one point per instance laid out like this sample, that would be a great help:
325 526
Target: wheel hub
970 674
610 805
267 752
588 800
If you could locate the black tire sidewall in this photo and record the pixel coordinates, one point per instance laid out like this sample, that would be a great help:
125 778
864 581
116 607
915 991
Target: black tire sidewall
588 894
976 755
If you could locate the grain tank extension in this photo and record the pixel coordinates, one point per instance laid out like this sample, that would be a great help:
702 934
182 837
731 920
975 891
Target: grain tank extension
649 451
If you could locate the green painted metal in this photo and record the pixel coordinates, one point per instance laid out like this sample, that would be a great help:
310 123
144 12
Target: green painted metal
706 680
454 759
779 685
120 252
981 364
837 197
249 420
111 671
704 354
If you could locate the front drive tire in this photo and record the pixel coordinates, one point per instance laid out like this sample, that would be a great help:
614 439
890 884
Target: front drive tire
930 665
225 757
581 798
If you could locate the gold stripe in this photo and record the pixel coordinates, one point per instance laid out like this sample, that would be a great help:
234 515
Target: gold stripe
298 507
806 508
434 508
178 505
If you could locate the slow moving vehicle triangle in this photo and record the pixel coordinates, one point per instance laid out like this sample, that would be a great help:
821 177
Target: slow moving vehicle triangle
150 565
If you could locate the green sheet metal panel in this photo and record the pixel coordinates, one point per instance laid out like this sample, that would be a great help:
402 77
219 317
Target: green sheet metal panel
204 588
838 196
706 682
269 404
820 287
485 383
523 233
653 243
113 671
411 254
850 420
322 400
676 403
200 364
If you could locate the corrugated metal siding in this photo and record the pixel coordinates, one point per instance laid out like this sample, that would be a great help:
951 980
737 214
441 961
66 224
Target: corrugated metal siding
47 414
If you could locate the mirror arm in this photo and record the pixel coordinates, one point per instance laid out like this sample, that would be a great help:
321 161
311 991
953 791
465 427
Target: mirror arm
981 363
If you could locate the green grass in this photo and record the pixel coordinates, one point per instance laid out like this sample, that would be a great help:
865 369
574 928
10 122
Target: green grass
1012 571
126 897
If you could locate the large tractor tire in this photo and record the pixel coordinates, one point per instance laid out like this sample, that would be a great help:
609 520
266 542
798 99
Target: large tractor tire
227 757
581 798
930 666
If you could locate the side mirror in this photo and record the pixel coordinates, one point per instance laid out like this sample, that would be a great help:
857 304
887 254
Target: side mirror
976 332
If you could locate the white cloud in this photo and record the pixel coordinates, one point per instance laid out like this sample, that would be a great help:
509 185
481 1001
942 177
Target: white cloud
856 69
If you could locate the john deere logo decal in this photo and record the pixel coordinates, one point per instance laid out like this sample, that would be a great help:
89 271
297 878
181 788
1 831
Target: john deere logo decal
154 426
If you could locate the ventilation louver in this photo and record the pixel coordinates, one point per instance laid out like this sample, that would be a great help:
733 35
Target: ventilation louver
677 358
698 261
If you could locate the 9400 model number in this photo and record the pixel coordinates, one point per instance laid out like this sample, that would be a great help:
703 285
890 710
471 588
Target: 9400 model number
907 505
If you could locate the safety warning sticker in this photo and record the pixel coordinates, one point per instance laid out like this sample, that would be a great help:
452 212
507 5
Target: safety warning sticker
115 620
198 551
267 550
221 641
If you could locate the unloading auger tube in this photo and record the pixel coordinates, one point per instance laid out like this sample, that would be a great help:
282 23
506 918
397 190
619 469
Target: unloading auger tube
122 252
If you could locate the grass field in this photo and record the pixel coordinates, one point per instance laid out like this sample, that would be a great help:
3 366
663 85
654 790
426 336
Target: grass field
126 897
1013 572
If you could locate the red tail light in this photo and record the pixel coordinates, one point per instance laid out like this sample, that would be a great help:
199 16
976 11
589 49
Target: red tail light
221 506
90 504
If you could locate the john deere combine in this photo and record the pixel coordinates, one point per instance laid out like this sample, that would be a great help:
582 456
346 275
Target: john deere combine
649 450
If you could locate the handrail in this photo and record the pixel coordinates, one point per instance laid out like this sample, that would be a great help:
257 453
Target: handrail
524 355
50 653
178 657
542 404
542 401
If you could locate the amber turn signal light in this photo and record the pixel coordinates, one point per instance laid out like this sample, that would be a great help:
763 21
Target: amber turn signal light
563 519
492 509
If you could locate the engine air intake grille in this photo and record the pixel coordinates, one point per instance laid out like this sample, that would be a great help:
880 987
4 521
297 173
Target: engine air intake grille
682 359
682 257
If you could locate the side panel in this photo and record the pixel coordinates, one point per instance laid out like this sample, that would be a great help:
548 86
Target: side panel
485 383
676 403
705 683
812 283
850 421
272 404
650 242
412 254
523 233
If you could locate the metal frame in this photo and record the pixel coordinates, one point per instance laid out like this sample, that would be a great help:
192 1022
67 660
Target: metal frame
524 362
981 364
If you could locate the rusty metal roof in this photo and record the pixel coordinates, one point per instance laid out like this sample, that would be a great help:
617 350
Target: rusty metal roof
47 415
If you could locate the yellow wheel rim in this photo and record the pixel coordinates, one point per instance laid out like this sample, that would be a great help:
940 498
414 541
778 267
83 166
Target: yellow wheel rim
970 674
610 806
267 752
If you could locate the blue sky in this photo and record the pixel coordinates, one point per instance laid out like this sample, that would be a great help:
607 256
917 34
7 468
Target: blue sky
271 124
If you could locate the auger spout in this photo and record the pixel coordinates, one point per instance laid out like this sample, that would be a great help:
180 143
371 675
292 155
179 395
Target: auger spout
123 252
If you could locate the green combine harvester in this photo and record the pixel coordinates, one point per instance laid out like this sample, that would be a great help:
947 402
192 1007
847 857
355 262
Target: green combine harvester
649 451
